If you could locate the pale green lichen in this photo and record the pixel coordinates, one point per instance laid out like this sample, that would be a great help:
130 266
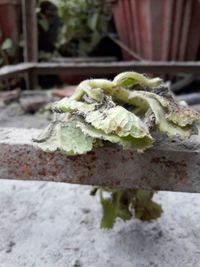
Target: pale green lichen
125 111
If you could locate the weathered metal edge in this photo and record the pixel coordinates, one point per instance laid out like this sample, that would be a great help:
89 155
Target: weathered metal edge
155 169
100 68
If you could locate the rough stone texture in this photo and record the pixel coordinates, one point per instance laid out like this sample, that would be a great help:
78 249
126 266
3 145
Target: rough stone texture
49 224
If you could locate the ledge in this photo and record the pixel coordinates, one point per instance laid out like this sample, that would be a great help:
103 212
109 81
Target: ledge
168 166
99 68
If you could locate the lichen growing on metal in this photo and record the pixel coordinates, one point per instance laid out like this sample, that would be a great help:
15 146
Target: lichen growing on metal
126 111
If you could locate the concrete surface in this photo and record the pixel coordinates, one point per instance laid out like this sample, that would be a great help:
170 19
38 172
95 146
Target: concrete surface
13 116
57 225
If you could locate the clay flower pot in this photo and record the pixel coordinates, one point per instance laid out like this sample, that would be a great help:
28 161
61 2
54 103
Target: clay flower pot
159 30
10 11
10 21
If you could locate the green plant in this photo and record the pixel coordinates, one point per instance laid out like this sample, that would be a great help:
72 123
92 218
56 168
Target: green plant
126 203
43 22
85 22
7 54
7 51
125 111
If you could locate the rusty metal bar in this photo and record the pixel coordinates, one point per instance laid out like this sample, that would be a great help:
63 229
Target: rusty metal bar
14 70
83 59
92 69
173 166
100 68
116 67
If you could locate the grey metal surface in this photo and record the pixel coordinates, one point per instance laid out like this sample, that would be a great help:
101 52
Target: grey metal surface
173 166
92 69
13 70
103 68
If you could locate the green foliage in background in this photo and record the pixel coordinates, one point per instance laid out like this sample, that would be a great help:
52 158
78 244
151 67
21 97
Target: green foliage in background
7 54
84 24
7 51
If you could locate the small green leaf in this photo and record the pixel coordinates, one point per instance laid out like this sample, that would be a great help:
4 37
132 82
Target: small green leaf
7 44
145 208
149 212
124 213
43 22
92 21
143 196
109 213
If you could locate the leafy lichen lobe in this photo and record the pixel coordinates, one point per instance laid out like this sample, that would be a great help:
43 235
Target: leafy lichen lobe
125 111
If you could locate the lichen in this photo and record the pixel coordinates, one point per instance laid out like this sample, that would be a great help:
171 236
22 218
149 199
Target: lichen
125 111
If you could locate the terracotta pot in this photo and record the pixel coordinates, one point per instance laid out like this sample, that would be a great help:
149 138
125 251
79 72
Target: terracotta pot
10 20
159 30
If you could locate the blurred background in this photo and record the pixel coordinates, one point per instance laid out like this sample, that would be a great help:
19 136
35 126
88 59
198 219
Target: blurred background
55 44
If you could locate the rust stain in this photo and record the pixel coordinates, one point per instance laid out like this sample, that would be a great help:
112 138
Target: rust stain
107 165
54 173
82 178
42 172
26 170
177 169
